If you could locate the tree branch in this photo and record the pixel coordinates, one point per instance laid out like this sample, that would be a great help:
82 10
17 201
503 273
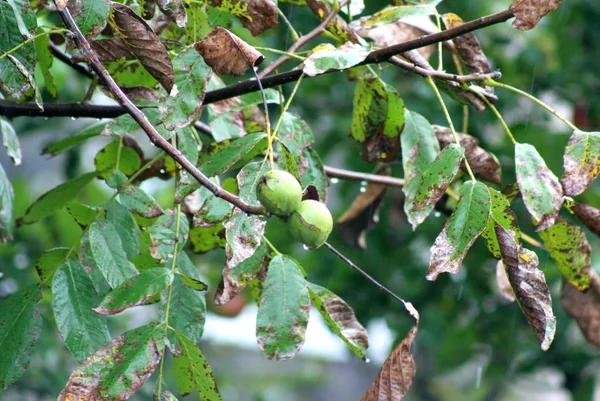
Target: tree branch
143 122
13 109
355 175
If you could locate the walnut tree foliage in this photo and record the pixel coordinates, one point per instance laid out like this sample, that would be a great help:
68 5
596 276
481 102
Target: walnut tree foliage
202 81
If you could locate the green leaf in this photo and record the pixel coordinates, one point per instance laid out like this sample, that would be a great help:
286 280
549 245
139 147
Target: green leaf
69 142
118 369
370 109
82 214
327 57
207 238
117 153
198 25
169 234
438 176
184 105
311 172
570 249
235 7
295 133
213 210
91 17
10 141
135 291
340 318
56 198
541 191
188 144
139 202
192 372
162 393
49 261
462 229
187 311
501 215
108 253
7 197
393 14
125 124
126 228
221 157
44 61
581 161
283 312
420 147
20 325
73 297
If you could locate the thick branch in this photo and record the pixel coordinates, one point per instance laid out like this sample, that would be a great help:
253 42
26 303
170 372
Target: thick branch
143 122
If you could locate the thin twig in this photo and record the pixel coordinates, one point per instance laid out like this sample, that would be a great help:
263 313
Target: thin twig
363 273
67 59
145 124
356 176
440 74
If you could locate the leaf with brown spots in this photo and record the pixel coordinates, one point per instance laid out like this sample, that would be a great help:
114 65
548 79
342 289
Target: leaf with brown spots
529 12
192 371
581 162
398 371
483 163
338 27
262 15
118 369
590 216
584 307
144 44
529 285
226 53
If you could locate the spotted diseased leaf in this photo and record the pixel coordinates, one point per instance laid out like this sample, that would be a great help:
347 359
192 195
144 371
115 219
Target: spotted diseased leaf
483 163
226 53
338 26
262 15
144 44
310 168
174 10
162 393
231 154
7 197
169 234
139 202
462 229
438 176
22 68
10 141
581 161
398 371
73 297
117 370
541 191
529 12
327 57
83 214
584 307
295 133
122 153
419 149
284 308
49 261
503 283
184 103
340 318
192 371
570 249
90 15
20 325
529 286
55 199
393 14
500 214
589 215
135 291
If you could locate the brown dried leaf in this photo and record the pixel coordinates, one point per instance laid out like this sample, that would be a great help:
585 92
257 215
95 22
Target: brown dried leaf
397 373
136 93
338 26
107 50
263 15
503 283
529 12
468 47
226 53
484 164
589 216
144 44
529 285
174 10
584 307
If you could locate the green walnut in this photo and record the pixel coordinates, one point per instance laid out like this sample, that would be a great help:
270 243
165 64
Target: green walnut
311 224
279 192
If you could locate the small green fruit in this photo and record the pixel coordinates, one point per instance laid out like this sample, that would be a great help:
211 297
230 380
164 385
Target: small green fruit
279 192
311 224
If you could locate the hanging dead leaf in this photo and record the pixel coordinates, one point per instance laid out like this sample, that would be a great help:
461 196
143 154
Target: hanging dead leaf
584 307
503 283
262 15
363 213
529 285
107 50
590 216
338 26
468 47
398 371
529 12
226 53
483 163
144 44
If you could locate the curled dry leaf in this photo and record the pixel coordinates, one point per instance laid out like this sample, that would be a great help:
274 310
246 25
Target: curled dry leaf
581 162
262 15
226 53
144 44
398 371
584 307
590 216
107 50
529 285
485 165
503 283
529 12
